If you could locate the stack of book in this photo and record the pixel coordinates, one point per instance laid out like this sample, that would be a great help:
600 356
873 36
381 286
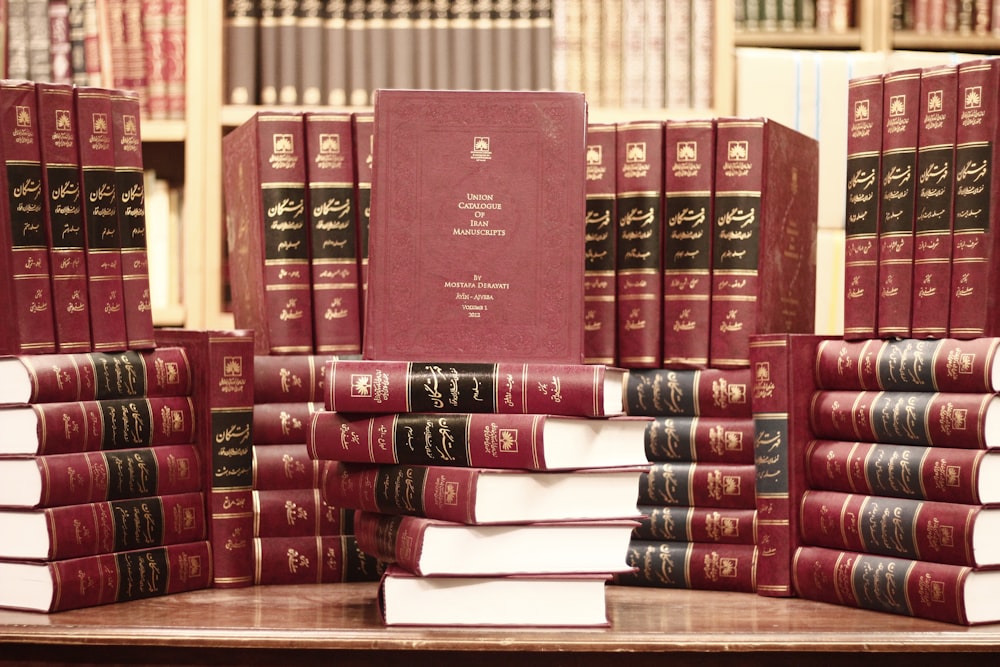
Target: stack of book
499 494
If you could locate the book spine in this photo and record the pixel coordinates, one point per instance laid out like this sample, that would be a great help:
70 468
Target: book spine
310 65
24 255
322 559
423 43
867 581
267 34
943 419
333 229
633 48
391 538
689 175
864 154
901 106
679 82
295 513
335 53
282 423
92 45
908 364
289 466
502 27
288 58
364 133
240 32
154 26
728 486
600 322
696 524
78 60
899 471
291 378
703 439
175 55
691 565
702 53
639 204
542 40
59 42
134 77
709 392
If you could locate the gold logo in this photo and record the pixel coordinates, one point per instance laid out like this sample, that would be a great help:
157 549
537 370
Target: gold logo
862 110
897 105
973 97
100 123
64 120
329 143
738 151
232 367
481 149
23 116
361 386
595 155
687 151
283 143
635 151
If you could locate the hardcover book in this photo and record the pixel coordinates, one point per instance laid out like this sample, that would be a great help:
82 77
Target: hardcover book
297 513
696 524
709 439
599 296
321 559
363 126
477 229
694 565
706 392
689 484
290 378
282 423
240 33
288 466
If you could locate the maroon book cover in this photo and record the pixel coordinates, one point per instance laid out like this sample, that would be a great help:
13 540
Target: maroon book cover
691 565
131 198
864 176
64 209
333 229
28 326
696 524
223 397
287 466
154 25
908 364
175 56
687 484
900 131
322 559
708 439
477 227
295 513
283 423
764 239
104 243
290 378
638 270
689 181
706 392
364 151
264 182
599 319
976 240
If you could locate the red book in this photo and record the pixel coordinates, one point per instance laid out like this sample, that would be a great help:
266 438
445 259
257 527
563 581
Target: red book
90 477
28 326
64 209
639 204
175 56
922 589
72 531
725 485
932 226
904 471
290 378
104 244
864 176
943 419
483 239
689 175
708 392
907 364
154 25
287 466
367 386
321 559
99 579
691 565
707 439
264 182
482 495
900 130
976 258
295 512
282 423
88 376
131 198
525 441
333 228
953 533
363 125
223 397
764 238
600 320
86 426
696 524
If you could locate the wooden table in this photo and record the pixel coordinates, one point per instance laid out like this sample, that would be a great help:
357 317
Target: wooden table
338 625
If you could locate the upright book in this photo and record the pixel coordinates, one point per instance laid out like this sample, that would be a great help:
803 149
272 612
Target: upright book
599 293
477 230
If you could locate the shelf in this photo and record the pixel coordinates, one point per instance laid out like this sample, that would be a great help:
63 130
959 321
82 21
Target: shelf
798 39
163 130
945 42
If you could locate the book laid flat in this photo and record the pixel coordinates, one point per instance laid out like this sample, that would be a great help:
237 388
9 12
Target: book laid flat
319 559
282 423
586 390
698 565
534 442
688 438
285 378
721 485
696 524
429 547
702 392
524 600
477 226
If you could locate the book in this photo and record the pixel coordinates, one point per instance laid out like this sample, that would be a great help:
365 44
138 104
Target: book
523 441
922 472
284 466
175 57
922 589
335 51
909 364
333 232
282 423
99 579
83 426
955 533
482 495
55 480
600 320
264 183
290 378
496 210
154 27
367 386
694 565
696 524
764 238
864 177
267 50
639 182
406 599
83 376
297 513
72 531
707 392
707 439
429 547
310 66
321 559
29 327
943 419
721 485
64 213
689 174
364 151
